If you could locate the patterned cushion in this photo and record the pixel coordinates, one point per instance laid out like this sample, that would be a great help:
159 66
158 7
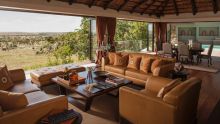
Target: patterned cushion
111 57
5 79
10 101
145 64
121 60
156 63
134 62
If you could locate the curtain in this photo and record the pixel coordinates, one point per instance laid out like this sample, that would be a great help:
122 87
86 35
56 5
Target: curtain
103 23
100 31
111 26
160 34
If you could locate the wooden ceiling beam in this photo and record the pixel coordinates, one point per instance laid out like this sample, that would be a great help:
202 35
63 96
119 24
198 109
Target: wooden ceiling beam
107 4
176 7
136 6
163 5
194 8
215 6
91 3
145 9
122 5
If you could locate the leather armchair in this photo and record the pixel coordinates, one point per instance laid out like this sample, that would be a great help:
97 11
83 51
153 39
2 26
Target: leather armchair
178 106
39 103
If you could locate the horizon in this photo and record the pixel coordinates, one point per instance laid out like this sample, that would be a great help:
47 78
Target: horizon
26 22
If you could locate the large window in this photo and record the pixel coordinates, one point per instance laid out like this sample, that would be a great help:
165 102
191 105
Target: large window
131 35
202 32
34 40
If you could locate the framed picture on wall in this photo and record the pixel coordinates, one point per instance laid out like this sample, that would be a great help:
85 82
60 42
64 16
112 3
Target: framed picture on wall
208 31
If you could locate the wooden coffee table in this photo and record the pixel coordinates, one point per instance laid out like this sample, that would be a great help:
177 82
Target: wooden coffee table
88 96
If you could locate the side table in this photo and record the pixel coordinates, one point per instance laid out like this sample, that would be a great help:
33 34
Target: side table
182 74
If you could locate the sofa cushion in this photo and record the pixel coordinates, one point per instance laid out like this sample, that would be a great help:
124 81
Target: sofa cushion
156 63
155 83
11 101
111 56
134 62
121 60
146 64
137 74
184 93
5 79
24 87
168 87
115 69
1 111
34 97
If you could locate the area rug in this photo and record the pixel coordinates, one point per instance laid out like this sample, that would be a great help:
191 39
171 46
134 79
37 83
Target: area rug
201 68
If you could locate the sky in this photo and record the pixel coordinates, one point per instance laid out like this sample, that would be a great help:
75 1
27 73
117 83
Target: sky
11 21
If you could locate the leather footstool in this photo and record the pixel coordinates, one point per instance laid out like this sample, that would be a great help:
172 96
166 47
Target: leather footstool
43 76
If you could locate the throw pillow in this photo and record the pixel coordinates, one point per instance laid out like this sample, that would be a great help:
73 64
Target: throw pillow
156 63
11 101
5 79
111 57
168 87
145 64
134 62
121 60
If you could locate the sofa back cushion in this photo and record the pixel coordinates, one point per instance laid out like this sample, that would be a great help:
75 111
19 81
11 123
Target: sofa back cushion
1 111
111 56
11 101
155 83
168 87
121 60
185 93
146 64
5 79
157 62
134 62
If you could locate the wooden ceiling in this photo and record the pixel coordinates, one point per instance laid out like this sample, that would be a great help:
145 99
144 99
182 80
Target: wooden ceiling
156 8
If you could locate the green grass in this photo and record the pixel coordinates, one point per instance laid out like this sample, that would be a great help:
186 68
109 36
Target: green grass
27 59
22 58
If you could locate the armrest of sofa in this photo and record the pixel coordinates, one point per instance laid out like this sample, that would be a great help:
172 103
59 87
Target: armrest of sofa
32 113
105 61
163 70
137 107
17 75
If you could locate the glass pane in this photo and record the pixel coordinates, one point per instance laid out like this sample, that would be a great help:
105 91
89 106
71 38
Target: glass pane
34 40
150 36
131 36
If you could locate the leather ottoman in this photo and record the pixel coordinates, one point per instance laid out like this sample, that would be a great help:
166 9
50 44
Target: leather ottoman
43 76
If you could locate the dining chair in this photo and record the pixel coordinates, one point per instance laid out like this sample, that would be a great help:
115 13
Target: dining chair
167 50
207 56
196 45
183 51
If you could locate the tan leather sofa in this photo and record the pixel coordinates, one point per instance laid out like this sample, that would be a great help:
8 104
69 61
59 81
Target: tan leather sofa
137 76
39 103
178 106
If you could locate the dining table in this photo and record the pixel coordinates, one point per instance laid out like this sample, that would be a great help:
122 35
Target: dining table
192 52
